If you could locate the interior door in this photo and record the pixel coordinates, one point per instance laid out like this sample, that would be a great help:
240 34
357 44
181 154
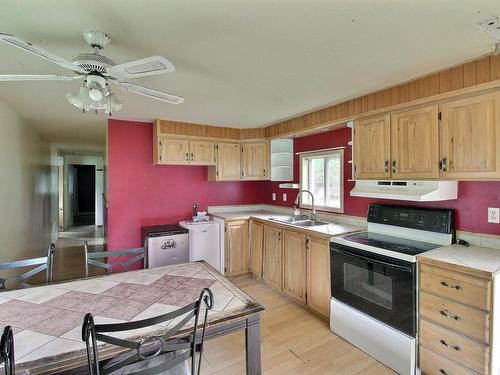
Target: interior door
271 269
415 143
372 148
470 137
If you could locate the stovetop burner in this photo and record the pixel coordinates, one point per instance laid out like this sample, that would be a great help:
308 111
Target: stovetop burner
396 244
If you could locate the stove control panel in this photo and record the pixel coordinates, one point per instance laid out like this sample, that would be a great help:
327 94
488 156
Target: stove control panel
429 219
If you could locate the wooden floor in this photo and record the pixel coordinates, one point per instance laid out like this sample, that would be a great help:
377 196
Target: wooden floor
294 341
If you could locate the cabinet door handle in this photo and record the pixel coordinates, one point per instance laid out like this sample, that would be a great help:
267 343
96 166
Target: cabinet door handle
394 169
447 314
443 164
446 285
441 371
454 347
187 156
386 166
279 236
192 157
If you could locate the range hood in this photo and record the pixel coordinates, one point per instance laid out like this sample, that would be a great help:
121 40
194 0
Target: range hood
419 191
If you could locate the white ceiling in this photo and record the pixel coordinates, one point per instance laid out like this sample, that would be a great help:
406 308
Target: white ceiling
240 63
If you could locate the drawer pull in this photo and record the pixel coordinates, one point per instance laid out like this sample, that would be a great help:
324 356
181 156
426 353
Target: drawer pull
441 371
445 284
454 347
447 314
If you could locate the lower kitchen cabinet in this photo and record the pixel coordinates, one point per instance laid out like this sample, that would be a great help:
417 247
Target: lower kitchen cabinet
294 262
318 276
294 265
271 267
236 247
256 247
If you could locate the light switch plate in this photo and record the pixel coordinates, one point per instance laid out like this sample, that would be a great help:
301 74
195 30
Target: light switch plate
494 215
274 196
284 197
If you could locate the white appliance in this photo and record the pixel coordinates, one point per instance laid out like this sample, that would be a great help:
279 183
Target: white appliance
419 191
204 242
374 301
165 245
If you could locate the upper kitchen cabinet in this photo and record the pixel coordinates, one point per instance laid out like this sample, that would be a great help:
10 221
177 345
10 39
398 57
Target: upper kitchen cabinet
228 162
372 148
172 150
202 152
470 138
255 161
415 144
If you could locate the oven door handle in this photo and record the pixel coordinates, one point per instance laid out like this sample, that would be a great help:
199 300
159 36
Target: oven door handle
371 260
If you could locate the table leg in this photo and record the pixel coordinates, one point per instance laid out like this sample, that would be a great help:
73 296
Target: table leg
252 345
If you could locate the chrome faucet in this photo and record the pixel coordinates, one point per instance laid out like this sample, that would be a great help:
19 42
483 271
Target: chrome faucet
313 210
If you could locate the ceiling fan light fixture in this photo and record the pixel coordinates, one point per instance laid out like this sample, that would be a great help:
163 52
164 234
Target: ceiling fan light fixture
95 94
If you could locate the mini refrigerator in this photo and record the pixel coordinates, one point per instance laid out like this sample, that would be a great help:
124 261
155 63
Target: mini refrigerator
204 243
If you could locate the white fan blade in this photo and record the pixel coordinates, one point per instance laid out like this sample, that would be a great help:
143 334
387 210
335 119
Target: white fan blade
35 77
150 93
40 52
143 67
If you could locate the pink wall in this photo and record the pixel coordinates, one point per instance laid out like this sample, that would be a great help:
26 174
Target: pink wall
471 207
140 193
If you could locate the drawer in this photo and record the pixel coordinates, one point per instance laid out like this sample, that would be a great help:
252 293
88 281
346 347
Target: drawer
460 287
464 319
432 363
459 348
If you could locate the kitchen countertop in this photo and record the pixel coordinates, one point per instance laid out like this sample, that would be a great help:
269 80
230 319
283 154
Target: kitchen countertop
475 260
330 230
47 319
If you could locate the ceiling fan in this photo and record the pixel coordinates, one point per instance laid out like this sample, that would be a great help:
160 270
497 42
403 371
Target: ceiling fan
96 70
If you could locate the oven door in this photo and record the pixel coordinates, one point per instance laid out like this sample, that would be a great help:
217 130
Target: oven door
379 286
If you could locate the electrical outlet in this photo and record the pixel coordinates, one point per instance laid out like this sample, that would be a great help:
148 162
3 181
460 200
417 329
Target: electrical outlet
494 215
274 196
284 197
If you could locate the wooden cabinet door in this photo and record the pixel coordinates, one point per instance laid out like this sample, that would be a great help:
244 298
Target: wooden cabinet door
294 265
236 247
271 267
202 152
470 137
372 148
228 161
254 161
415 143
256 247
173 150
318 276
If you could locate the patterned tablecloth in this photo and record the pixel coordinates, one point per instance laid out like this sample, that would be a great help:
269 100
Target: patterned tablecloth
47 319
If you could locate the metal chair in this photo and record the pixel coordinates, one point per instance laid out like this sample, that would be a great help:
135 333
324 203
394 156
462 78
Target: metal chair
153 354
44 263
90 258
7 351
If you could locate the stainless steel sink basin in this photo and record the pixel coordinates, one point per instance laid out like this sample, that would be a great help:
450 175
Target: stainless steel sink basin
310 223
300 222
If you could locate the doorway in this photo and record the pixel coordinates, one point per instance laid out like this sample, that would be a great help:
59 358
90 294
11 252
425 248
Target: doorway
82 194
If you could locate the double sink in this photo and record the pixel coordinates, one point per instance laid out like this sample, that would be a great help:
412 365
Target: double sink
299 221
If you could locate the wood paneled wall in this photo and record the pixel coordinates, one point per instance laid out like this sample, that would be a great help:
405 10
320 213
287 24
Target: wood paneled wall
197 130
466 75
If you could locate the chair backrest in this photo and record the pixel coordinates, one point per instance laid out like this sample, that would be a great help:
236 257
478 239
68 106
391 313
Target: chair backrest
155 354
7 351
45 263
91 258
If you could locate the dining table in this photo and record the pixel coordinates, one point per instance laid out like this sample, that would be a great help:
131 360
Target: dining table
47 319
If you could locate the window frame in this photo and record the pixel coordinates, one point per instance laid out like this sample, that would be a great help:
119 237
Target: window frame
314 154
